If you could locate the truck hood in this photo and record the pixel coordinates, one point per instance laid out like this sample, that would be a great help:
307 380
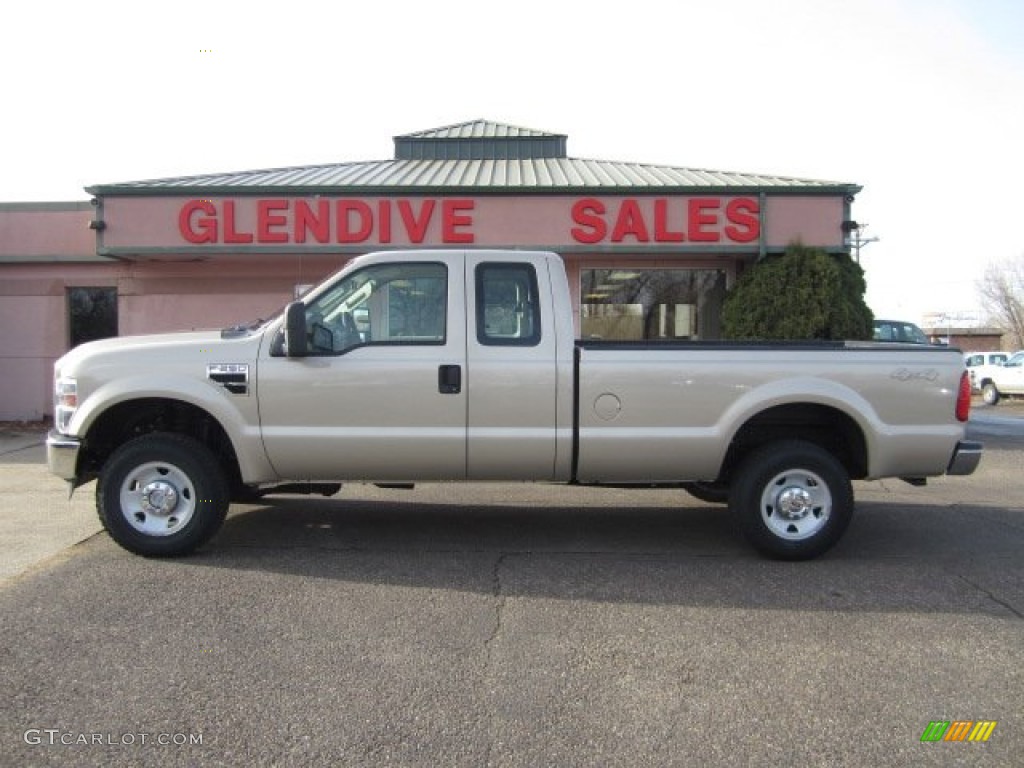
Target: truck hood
159 349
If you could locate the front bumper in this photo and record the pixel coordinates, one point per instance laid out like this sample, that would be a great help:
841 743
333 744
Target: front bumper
965 458
62 455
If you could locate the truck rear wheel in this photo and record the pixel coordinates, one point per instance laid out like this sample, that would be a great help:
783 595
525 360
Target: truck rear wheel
989 393
162 495
712 493
792 500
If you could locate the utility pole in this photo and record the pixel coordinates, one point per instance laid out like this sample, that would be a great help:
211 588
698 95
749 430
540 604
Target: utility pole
858 241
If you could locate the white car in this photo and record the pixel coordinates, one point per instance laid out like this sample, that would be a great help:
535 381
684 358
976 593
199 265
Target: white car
1004 380
980 364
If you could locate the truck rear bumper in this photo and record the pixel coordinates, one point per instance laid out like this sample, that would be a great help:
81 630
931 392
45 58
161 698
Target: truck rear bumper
965 458
62 455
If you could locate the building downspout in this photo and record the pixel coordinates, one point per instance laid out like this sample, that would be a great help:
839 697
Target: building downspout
762 240
97 224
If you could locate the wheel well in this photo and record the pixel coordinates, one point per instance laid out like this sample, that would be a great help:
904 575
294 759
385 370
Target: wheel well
125 421
822 425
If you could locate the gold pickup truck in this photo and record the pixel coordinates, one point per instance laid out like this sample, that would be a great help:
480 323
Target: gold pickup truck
464 366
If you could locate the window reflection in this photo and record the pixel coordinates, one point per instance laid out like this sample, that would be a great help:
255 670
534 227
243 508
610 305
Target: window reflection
629 304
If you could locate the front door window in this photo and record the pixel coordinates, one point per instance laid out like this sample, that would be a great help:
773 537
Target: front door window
381 304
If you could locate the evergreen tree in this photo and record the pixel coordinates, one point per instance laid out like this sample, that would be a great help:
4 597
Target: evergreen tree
851 316
801 294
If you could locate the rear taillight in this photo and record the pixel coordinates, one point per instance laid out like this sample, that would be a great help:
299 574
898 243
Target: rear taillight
963 399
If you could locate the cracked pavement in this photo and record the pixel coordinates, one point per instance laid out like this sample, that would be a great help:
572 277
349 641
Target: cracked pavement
525 625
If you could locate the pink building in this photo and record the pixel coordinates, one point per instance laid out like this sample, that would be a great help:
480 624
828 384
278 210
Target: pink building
651 250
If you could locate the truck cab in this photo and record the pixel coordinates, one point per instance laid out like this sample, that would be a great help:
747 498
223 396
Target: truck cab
462 370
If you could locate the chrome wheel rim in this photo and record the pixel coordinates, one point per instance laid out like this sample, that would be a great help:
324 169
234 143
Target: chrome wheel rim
157 499
796 504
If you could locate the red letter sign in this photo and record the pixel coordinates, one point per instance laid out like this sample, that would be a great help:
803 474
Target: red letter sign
699 220
205 229
452 219
231 235
267 219
348 234
588 212
662 234
745 226
306 221
630 222
416 227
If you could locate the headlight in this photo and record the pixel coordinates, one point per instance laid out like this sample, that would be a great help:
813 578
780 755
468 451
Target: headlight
65 401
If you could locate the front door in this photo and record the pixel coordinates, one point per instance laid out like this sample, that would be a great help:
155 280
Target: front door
380 395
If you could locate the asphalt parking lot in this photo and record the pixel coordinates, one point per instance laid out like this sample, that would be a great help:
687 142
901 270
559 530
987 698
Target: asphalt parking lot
516 625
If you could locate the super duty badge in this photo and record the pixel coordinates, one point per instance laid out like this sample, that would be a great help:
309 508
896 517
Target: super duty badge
234 377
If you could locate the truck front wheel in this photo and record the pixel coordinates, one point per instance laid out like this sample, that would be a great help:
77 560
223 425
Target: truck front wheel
989 393
162 495
792 500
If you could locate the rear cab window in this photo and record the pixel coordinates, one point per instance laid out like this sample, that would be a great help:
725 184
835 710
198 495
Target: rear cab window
507 306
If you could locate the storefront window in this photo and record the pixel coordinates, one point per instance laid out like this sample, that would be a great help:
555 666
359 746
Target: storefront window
92 314
635 304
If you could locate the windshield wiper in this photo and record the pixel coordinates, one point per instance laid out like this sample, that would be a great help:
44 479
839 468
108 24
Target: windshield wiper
243 329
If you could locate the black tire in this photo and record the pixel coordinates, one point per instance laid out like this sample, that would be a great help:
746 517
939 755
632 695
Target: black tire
162 495
712 493
792 500
989 393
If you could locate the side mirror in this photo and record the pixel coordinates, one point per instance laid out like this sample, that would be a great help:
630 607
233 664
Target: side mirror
295 330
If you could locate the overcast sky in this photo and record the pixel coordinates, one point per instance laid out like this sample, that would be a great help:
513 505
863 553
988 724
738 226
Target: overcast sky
919 101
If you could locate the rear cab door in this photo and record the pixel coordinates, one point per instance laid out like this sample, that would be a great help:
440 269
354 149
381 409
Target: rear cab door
519 363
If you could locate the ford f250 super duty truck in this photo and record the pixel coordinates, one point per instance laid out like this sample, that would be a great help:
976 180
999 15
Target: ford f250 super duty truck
463 365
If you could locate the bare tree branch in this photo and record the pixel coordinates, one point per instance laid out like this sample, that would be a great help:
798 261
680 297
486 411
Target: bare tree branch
1001 289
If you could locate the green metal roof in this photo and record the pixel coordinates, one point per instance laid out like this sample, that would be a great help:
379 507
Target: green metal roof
481 156
479 129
